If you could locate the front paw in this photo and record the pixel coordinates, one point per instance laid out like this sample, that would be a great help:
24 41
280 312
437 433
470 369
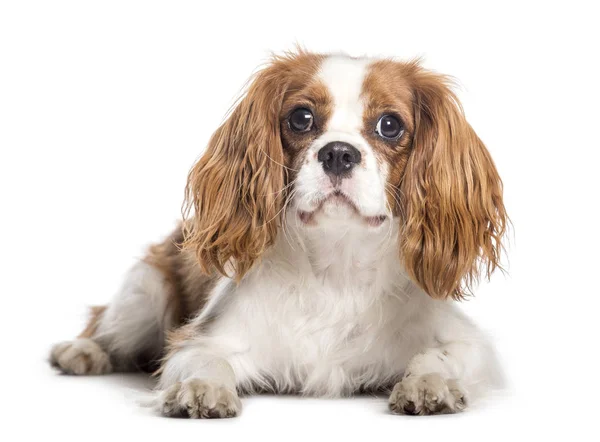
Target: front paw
427 394
199 399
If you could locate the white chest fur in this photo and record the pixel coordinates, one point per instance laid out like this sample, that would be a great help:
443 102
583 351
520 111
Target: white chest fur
325 313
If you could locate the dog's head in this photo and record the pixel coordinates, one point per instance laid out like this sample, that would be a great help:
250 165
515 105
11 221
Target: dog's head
335 139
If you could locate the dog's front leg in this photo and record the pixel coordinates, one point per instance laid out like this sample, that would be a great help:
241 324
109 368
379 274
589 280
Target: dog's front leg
195 384
438 380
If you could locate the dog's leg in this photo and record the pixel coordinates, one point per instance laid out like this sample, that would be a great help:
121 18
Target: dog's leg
439 380
445 377
198 383
128 334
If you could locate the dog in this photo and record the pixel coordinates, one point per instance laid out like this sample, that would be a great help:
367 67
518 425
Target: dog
332 222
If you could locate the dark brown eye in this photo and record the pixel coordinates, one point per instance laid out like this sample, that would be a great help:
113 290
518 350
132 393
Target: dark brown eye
389 127
301 120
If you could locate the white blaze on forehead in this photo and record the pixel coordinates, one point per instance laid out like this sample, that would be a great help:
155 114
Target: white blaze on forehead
344 78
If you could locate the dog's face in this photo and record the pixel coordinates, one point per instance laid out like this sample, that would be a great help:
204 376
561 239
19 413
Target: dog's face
341 140
335 139
346 137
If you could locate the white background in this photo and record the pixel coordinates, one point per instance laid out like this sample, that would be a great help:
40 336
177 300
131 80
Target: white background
104 106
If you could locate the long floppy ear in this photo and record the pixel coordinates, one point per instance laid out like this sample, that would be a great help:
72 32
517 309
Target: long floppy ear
235 189
453 217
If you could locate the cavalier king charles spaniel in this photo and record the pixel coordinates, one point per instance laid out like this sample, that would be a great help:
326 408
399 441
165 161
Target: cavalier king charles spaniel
329 227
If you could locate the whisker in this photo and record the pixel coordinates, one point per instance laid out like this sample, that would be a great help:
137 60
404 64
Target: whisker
284 188
279 164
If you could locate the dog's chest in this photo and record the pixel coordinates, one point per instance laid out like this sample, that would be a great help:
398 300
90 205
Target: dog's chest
320 317
307 334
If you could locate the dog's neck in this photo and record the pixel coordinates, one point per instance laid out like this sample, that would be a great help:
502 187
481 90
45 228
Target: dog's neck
345 255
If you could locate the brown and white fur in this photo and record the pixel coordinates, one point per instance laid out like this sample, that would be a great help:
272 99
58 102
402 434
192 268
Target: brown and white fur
287 277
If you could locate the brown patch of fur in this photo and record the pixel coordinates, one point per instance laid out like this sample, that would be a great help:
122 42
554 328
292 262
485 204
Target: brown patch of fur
236 191
189 290
96 313
189 285
165 258
386 90
315 97
445 186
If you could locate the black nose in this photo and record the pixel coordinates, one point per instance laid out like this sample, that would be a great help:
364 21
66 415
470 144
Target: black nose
338 158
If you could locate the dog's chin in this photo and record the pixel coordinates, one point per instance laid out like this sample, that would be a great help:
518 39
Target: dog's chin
336 209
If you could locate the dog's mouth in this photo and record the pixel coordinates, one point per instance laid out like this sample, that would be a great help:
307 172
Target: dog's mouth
338 200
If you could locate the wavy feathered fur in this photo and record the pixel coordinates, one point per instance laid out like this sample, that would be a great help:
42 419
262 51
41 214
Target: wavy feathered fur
235 188
453 215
